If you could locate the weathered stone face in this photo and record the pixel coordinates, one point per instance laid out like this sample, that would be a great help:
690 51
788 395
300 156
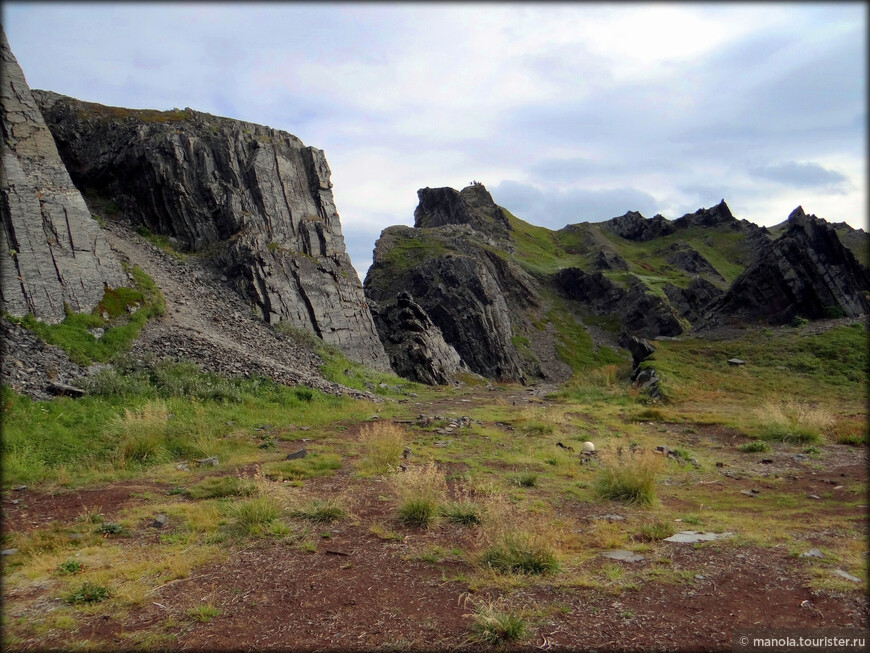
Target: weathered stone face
53 253
256 198
807 272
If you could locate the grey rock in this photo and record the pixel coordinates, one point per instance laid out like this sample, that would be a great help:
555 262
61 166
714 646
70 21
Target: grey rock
301 453
609 260
692 301
20 488
735 362
812 553
184 467
64 390
211 461
160 521
814 496
639 348
846 575
689 537
686 258
750 493
414 343
472 205
8 552
257 199
52 252
609 517
623 555
806 272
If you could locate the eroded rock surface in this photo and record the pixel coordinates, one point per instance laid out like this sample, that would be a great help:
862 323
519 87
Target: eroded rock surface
256 199
806 272
416 347
52 252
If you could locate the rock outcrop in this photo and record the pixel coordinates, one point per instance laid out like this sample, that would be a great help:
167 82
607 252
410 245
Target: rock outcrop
416 347
691 302
52 253
806 272
255 199
684 257
640 312
473 205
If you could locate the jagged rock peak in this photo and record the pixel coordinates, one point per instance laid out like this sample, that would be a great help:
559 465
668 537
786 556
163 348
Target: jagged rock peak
806 272
713 216
633 226
52 253
473 205
256 198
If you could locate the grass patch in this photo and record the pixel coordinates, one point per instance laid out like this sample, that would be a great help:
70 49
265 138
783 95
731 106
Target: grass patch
219 486
524 479
793 421
320 511
203 613
383 443
755 447
420 490
87 593
630 478
656 531
464 513
255 516
520 553
491 624
316 464
121 313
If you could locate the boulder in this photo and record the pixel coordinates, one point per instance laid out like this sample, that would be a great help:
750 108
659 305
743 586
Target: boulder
692 301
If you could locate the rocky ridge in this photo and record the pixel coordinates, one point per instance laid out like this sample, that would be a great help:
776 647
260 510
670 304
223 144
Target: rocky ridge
256 199
52 254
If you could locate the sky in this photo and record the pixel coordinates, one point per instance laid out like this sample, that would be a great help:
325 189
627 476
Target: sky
566 112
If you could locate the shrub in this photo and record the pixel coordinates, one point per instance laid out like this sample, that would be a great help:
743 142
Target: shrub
520 553
755 447
420 490
87 593
630 478
491 625
383 443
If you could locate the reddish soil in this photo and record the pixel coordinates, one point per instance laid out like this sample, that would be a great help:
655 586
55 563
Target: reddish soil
358 591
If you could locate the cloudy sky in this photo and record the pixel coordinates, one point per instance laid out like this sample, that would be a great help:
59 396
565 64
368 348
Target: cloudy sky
566 112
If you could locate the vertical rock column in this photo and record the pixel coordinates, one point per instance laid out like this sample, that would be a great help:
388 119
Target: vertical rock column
51 251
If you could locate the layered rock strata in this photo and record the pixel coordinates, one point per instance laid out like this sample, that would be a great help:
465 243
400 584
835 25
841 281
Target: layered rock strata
255 199
806 272
52 253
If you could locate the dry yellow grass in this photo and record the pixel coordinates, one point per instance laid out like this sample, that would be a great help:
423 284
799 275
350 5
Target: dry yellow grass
382 443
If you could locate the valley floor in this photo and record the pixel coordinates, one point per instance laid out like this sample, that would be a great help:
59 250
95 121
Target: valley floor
365 580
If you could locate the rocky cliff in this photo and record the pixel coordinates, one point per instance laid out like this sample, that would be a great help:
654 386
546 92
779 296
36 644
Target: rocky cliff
254 200
806 272
52 253
519 302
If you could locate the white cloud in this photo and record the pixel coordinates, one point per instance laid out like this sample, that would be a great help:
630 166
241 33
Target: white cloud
651 106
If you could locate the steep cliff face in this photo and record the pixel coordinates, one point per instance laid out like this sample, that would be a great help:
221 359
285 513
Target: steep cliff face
52 252
805 272
466 291
256 199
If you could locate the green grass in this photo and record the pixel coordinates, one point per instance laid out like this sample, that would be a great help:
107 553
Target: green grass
755 447
219 486
121 328
320 511
314 464
87 593
254 516
464 513
203 613
520 553
630 479
491 625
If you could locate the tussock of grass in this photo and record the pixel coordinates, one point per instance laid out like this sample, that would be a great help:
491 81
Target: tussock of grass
382 443
520 553
492 624
320 511
254 516
793 421
464 513
629 478
420 490
219 486
658 530
203 613
142 435
755 447
524 479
